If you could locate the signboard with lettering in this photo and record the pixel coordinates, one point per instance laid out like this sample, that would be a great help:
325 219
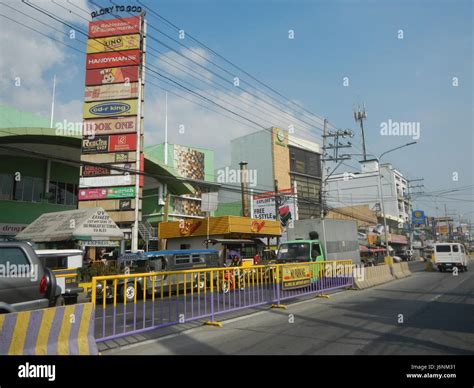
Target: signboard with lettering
113 43
112 27
107 181
295 276
118 157
112 91
106 193
113 169
95 145
110 126
123 142
110 109
113 59
112 75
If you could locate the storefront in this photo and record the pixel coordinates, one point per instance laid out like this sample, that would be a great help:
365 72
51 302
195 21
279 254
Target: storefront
243 236
91 230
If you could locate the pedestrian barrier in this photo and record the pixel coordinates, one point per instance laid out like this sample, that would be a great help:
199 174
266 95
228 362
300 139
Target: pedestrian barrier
397 271
373 276
66 330
135 303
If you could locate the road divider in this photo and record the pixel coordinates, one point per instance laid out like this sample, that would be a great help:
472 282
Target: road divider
373 276
65 330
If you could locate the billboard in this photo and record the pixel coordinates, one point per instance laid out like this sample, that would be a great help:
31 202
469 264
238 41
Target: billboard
418 217
112 75
114 169
106 193
120 26
110 109
107 181
123 142
112 91
110 126
113 43
111 204
113 59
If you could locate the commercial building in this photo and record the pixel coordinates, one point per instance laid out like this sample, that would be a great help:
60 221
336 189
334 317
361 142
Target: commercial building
361 188
273 155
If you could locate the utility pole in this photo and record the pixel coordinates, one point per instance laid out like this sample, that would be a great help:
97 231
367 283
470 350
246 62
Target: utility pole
360 116
277 207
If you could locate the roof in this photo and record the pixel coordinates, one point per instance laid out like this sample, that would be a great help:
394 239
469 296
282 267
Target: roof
46 141
85 224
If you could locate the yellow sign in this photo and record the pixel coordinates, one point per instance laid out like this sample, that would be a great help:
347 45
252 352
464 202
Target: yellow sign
113 43
94 110
295 276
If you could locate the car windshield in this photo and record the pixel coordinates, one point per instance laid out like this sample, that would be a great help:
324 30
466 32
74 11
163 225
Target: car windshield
293 251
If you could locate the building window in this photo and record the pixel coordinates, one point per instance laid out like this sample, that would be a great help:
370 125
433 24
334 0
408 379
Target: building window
62 193
305 162
6 187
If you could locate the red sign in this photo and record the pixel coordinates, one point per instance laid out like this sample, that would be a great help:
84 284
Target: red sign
109 126
111 75
122 143
114 59
112 27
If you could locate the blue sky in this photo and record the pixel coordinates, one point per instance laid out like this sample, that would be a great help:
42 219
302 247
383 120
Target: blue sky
405 80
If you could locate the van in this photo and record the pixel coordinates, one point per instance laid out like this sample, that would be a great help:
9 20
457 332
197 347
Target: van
450 255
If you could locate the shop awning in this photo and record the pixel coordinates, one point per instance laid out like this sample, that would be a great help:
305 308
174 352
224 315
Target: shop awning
85 224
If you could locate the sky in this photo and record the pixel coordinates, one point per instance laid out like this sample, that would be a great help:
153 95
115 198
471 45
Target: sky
406 61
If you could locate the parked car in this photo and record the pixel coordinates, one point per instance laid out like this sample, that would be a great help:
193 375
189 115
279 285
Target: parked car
25 283
449 256
65 264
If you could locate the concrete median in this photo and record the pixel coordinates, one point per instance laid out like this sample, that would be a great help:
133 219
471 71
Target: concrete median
65 330
398 271
373 276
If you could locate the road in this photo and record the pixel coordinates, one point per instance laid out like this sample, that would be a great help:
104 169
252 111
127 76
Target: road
427 313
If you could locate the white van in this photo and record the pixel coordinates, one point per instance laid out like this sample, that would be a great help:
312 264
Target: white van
450 255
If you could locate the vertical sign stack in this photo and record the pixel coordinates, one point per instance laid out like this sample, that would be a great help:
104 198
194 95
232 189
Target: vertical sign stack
112 145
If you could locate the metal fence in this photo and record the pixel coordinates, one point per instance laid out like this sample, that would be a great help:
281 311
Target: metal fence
135 303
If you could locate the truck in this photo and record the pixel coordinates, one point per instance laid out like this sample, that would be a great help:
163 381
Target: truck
448 256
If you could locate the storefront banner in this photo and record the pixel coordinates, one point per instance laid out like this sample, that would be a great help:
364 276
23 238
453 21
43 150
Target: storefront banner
295 276
109 92
112 75
113 43
113 59
110 108
110 126
107 181
106 193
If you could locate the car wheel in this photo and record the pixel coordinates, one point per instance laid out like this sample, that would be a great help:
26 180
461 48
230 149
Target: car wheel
128 293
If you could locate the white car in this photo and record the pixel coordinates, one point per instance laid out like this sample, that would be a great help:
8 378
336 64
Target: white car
450 255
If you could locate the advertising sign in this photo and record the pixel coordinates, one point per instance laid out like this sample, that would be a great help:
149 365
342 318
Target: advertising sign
418 217
121 169
113 59
264 206
113 91
112 27
110 126
123 142
112 75
11 229
106 193
118 157
295 276
111 204
113 43
109 108
97 145
107 181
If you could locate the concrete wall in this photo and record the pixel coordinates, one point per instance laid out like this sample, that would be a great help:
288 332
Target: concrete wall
341 237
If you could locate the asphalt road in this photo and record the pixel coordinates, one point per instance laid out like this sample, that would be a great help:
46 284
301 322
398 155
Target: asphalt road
427 313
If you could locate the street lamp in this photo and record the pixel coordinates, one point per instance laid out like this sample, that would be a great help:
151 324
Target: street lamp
380 188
